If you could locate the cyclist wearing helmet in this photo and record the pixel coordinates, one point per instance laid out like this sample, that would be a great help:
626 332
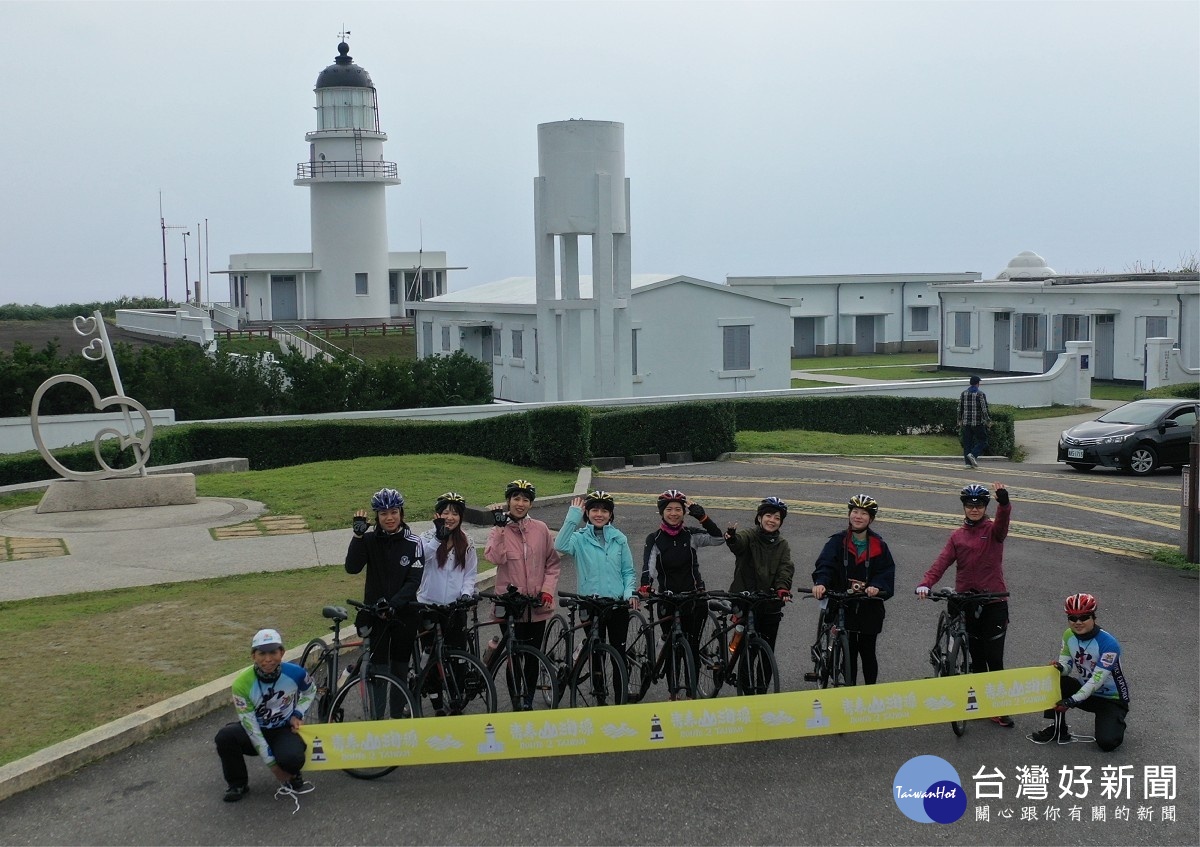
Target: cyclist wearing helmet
451 564
522 549
270 698
395 563
670 556
763 561
603 561
978 549
858 559
1092 679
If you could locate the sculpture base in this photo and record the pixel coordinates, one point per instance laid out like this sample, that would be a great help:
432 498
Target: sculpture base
69 495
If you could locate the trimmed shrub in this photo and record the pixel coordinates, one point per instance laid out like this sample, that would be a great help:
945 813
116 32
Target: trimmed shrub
705 428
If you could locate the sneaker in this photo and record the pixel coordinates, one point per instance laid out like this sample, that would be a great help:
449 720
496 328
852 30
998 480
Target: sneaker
1064 737
236 792
811 676
1003 720
1044 736
300 785
972 461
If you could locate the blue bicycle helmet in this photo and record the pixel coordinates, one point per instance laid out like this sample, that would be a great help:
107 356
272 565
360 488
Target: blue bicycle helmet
387 498
975 495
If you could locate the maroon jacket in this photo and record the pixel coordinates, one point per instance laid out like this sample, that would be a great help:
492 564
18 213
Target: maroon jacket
979 552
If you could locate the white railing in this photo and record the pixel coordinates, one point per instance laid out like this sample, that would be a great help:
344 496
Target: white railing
308 343
168 323
225 317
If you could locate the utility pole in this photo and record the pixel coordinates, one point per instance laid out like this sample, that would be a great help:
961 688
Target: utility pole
162 222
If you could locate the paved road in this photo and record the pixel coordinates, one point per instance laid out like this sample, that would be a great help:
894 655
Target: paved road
1072 532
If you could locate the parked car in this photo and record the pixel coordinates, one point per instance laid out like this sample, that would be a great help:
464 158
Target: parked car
1137 437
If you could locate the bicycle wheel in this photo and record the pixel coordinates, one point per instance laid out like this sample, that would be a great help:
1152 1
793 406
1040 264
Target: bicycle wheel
313 660
758 672
839 667
514 690
954 661
598 677
639 656
713 660
370 697
554 645
457 685
683 667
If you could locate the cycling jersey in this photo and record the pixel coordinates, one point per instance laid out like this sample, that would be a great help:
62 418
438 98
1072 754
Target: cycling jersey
672 557
1095 662
270 705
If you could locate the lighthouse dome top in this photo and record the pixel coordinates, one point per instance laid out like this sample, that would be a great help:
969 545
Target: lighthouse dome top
343 73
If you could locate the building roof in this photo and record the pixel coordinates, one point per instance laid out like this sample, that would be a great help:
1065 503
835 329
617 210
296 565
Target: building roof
1026 265
523 289
343 73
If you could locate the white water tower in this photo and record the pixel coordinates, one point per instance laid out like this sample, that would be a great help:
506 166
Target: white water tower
581 189
346 175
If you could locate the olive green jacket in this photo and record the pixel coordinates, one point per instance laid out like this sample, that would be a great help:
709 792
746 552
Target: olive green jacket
760 565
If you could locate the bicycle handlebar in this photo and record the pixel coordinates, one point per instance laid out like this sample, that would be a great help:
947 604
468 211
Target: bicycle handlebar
747 598
848 595
969 598
591 601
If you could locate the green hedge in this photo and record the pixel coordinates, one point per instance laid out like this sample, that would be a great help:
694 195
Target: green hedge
706 429
559 438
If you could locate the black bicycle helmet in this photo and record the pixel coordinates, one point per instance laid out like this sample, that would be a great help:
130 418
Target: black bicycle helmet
520 486
975 495
603 499
865 502
453 500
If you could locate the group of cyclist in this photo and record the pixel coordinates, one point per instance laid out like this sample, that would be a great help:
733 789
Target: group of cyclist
440 566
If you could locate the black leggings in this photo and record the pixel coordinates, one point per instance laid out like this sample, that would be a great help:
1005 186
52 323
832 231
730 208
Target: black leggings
531 633
862 646
1110 715
985 636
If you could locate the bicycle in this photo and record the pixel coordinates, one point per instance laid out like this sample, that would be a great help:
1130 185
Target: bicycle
365 694
677 661
595 670
831 655
746 658
520 689
322 661
446 680
951 653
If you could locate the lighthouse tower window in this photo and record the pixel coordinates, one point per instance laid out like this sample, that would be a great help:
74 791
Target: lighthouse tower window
360 284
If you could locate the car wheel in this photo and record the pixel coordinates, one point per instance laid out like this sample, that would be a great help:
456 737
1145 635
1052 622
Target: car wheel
1143 459
1081 466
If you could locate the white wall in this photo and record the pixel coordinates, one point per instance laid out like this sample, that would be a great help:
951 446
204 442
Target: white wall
16 434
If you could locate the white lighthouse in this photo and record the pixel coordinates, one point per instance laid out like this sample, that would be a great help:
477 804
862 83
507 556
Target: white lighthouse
346 175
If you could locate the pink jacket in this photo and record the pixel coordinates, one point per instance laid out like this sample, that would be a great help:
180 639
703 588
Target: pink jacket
524 555
979 552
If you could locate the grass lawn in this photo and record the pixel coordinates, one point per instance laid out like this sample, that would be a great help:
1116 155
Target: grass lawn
870 360
82 660
328 493
371 347
805 441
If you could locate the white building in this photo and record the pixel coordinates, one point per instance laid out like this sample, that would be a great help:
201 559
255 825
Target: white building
687 336
1020 321
847 314
350 274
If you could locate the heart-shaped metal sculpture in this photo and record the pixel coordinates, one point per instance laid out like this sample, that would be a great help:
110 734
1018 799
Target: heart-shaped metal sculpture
125 440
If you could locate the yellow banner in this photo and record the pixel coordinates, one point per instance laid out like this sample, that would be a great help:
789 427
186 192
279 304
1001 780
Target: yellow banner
690 723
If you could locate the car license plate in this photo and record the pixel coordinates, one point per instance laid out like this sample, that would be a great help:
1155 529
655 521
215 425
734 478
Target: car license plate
1074 454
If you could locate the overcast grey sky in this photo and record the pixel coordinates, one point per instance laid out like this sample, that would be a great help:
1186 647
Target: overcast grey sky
761 138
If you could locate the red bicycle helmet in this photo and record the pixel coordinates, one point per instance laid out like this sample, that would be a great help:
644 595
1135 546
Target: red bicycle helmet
1080 604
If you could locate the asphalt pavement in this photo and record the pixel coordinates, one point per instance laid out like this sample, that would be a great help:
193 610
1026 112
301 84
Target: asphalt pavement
1071 532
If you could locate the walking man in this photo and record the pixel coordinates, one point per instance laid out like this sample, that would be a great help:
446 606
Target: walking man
973 422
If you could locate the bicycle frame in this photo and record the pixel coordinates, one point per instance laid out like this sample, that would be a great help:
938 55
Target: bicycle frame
951 651
752 659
